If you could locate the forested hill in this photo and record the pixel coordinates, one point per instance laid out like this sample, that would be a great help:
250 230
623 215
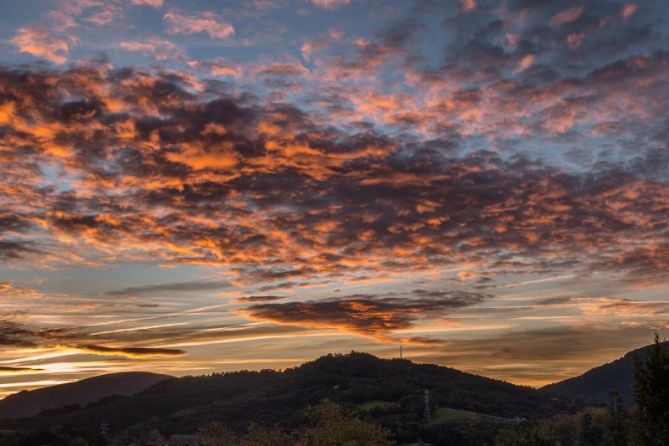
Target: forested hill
268 397
30 403
597 384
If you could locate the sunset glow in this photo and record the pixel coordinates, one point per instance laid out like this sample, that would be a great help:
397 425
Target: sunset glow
196 186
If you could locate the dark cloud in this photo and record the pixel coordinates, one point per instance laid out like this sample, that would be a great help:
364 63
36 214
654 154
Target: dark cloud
5 369
16 249
372 316
133 352
13 333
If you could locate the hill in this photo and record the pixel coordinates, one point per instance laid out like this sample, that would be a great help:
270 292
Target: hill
390 390
597 384
30 403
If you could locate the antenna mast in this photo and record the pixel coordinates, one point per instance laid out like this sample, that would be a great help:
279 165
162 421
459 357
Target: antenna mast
427 415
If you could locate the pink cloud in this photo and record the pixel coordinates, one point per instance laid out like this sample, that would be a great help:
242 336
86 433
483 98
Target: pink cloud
39 42
217 67
628 10
205 22
566 16
525 63
107 14
468 5
331 4
153 3
159 49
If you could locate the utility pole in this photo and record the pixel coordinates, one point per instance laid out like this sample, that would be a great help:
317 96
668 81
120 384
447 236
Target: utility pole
427 414
401 351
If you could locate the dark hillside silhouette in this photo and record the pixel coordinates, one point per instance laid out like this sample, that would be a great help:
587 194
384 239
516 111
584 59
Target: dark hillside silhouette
597 384
30 403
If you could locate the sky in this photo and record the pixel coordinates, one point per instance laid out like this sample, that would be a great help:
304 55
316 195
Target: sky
196 186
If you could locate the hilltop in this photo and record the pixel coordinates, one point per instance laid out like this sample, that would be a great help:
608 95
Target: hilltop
387 390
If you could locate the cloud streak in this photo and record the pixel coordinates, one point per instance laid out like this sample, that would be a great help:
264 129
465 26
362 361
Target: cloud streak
177 287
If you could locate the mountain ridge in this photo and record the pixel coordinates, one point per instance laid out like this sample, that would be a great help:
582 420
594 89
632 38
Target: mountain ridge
270 397
30 403
597 383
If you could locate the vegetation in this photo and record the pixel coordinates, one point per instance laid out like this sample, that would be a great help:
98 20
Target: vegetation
446 414
595 385
651 395
269 398
646 425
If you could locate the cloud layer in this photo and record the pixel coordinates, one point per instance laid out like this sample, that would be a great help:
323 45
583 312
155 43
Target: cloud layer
446 174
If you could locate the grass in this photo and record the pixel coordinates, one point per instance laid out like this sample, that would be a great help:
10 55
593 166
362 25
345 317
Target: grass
446 414
369 405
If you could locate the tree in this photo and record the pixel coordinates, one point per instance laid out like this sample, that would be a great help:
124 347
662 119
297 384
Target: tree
256 435
334 426
331 425
617 429
215 433
651 396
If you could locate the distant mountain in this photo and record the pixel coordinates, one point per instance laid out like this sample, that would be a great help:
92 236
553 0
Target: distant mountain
597 384
30 403
387 389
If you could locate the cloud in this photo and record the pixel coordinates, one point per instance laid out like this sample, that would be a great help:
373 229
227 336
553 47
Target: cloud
152 3
468 5
11 370
39 42
176 287
380 161
13 333
371 316
263 187
259 298
566 16
130 352
106 15
542 356
331 4
218 67
10 290
526 62
159 49
205 22
628 10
